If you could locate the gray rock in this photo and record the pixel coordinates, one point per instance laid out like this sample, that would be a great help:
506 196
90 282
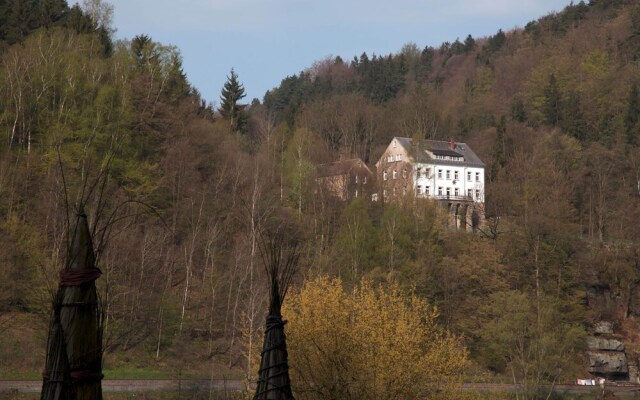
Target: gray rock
607 362
603 328
600 343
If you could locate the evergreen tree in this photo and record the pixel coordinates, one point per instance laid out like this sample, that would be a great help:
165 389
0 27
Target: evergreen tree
552 102
573 123
518 112
499 158
232 92
469 44
633 115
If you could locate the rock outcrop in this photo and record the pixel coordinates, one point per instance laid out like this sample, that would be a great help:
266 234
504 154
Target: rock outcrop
606 353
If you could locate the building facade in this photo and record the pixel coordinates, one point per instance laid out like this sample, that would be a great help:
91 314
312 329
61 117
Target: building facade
449 172
345 179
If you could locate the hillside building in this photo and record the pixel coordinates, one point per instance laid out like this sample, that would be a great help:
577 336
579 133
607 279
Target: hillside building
448 172
345 179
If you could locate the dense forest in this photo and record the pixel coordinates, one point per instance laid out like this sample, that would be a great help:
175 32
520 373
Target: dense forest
178 192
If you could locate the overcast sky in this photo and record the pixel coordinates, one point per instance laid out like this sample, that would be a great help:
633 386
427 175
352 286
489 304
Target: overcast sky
267 40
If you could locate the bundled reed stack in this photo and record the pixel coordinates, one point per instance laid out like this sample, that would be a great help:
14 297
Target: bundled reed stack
73 369
280 255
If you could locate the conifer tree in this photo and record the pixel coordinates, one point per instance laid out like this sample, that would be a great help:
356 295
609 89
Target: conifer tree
232 92
633 115
573 118
552 102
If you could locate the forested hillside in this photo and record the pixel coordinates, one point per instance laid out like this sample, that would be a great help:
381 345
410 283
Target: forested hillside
178 193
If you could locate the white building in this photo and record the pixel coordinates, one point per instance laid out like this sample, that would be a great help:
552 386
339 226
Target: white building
446 171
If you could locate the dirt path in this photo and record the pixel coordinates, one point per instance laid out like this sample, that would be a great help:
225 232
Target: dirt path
136 385
219 385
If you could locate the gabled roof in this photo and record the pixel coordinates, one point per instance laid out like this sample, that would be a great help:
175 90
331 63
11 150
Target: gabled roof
422 152
341 167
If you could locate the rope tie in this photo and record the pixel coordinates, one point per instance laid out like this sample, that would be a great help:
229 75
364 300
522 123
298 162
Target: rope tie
77 277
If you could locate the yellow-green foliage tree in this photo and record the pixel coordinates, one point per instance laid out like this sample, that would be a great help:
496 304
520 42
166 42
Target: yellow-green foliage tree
369 343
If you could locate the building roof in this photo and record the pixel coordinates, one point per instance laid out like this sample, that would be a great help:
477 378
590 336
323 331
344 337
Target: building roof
422 152
341 167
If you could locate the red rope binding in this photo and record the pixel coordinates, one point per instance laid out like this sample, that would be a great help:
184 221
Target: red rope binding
77 277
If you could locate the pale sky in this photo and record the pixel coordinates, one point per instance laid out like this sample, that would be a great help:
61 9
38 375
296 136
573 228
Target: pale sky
267 40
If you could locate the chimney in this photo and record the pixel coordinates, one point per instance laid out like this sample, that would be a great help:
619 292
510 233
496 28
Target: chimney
452 144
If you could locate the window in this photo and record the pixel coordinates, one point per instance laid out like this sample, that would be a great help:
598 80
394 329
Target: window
470 193
427 172
384 193
448 174
456 192
439 174
364 180
419 190
439 190
389 158
448 191
469 176
418 170
404 173
356 178
384 175
477 194
395 174
398 157
356 192
394 191
477 176
455 175
427 190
